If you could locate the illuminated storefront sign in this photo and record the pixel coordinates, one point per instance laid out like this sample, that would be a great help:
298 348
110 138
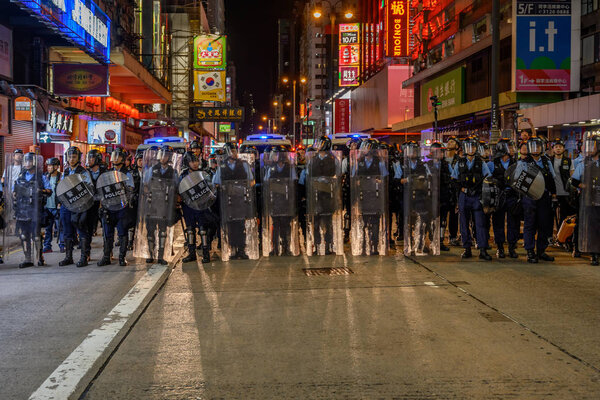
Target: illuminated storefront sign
217 114
448 88
104 132
397 27
210 52
80 21
349 57
59 122
209 86
80 79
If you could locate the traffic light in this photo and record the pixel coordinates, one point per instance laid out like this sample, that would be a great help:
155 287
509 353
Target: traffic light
435 102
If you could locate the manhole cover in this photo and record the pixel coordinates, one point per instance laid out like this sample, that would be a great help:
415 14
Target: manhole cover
494 317
327 271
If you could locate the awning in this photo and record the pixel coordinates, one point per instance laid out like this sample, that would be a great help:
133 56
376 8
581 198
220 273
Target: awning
133 83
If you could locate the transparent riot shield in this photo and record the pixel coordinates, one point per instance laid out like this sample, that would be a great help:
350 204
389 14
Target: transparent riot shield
113 189
324 233
280 211
197 191
239 224
75 193
421 206
589 208
23 209
157 213
369 202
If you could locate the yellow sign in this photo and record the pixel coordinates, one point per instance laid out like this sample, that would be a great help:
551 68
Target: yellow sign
209 86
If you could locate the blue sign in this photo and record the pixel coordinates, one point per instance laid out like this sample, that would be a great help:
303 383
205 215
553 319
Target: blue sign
80 21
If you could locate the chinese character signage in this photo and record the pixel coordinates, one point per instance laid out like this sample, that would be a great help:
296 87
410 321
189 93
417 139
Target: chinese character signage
23 110
546 38
216 114
80 21
210 52
349 57
342 116
80 80
209 86
448 88
59 122
397 27
6 49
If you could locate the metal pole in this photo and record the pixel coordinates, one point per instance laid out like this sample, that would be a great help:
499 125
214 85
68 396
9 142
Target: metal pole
34 121
495 59
435 124
330 66
294 111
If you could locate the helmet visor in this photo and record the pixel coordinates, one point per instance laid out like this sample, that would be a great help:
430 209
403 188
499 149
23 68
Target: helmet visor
591 146
535 147
412 152
163 155
469 148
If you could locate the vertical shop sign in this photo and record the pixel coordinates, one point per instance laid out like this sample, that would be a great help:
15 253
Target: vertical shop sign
397 28
349 57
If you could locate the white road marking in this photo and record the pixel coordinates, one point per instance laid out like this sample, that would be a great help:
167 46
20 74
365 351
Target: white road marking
71 378
431 284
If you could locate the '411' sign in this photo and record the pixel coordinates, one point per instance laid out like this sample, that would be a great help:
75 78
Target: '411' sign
546 44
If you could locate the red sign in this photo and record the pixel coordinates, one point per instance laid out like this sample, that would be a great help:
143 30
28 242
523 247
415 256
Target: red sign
342 116
80 79
349 60
397 27
349 76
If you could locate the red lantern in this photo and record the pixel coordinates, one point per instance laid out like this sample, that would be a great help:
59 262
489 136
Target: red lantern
109 103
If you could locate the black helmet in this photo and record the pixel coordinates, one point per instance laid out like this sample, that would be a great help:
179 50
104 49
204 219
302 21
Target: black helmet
189 157
412 149
18 151
194 144
279 149
591 146
385 146
229 147
369 144
53 161
558 141
470 146
95 156
535 146
116 153
322 144
436 145
139 154
353 143
503 147
165 151
455 140
249 150
73 150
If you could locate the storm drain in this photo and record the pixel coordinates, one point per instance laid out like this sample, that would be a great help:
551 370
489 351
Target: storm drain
494 317
327 271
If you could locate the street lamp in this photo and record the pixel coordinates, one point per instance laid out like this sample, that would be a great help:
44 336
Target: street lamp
264 117
435 103
286 80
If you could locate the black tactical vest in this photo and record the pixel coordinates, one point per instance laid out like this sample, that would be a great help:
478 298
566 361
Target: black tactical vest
471 179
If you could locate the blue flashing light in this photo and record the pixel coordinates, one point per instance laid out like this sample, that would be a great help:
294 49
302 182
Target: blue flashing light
159 140
264 137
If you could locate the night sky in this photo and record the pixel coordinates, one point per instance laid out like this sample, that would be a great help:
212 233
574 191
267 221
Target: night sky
252 32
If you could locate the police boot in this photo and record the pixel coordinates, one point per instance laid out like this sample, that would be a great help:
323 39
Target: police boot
467 253
346 228
83 260
576 252
205 246
41 256
500 251
545 257
443 247
123 250
105 260
191 245
532 257
131 234
483 255
162 239
68 260
512 253
150 260
595 259
27 253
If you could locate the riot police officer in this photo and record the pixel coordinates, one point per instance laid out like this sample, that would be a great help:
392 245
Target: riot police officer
506 214
198 195
538 213
197 148
116 191
452 150
76 220
562 172
469 174
446 192
136 173
396 194
352 144
95 169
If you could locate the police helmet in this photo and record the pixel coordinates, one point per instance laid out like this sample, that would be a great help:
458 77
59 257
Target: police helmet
18 151
322 144
412 149
194 144
189 157
470 146
369 144
95 156
165 151
455 140
29 160
73 150
535 146
116 153
139 155
353 143
503 148
557 142
53 161
436 150
591 146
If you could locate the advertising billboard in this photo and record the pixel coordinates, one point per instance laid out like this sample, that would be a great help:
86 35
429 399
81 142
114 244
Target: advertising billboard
210 52
80 79
546 48
80 21
217 114
397 26
349 54
209 86
448 88
104 132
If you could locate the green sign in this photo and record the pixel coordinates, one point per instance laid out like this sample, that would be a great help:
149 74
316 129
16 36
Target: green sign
449 89
210 52
224 128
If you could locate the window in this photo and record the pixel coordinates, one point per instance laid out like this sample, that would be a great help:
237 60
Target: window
587 50
449 47
589 6
479 29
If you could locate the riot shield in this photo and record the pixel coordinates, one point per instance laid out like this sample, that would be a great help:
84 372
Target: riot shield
324 229
157 213
492 196
113 189
279 195
369 201
239 224
526 179
197 191
23 210
589 208
75 194
421 206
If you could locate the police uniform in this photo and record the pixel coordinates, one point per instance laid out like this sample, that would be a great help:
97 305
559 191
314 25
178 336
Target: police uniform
94 211
507 215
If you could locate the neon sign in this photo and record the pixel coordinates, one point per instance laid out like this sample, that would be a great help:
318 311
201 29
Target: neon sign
79 21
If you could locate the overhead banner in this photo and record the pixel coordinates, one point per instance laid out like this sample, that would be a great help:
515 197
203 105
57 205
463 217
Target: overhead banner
80 80
397 25
209 86
6 49
210 52
79 21
216 114
349 57
448 88
546 45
